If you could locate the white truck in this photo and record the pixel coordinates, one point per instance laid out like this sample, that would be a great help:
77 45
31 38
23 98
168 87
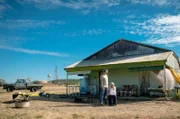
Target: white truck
22 84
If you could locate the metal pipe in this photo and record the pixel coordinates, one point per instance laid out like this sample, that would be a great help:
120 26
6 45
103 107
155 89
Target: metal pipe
165 87
67 88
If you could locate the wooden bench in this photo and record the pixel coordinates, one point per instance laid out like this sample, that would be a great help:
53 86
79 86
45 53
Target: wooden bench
156 90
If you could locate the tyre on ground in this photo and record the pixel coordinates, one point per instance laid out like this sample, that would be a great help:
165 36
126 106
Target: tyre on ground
34 89
10 89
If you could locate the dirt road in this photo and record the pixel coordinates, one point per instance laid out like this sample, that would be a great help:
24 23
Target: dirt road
63 108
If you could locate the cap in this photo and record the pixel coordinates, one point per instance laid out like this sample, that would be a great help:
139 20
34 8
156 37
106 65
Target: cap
112 83
105 70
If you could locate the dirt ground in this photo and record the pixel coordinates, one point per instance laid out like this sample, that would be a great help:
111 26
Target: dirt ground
64 108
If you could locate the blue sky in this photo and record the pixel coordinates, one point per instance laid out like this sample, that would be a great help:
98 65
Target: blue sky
37 35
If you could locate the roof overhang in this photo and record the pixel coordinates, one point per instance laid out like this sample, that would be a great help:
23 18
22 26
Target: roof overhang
113 66
146 60
79 72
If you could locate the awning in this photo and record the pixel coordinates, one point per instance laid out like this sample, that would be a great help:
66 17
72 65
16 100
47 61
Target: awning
79 72
145 60
146 68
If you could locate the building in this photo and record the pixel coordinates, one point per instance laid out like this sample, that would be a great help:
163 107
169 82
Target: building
130 64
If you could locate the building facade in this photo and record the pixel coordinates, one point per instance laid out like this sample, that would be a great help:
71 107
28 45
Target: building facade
129 64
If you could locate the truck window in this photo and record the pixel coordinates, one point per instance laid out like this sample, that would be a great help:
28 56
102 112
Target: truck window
20 81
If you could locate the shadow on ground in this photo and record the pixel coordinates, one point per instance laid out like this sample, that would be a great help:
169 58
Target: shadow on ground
95 101
9 102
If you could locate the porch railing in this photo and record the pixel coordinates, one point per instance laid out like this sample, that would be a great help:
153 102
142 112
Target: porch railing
72 90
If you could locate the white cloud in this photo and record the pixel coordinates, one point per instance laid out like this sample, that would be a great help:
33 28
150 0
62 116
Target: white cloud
93 4
87 32
131 16
117 20
86 6
132 32
93 32
3 7
15 24
163 29
85 12
13 40
33 51
156 2
83 5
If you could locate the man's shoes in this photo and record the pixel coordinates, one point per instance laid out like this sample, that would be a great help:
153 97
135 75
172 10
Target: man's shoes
101 103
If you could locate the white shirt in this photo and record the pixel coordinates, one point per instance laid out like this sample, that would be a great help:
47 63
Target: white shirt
112 91
104 80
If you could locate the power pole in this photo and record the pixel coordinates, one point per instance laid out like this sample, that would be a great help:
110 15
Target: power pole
56 73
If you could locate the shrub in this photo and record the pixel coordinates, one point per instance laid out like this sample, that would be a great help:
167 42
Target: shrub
2 81
177 96
65 82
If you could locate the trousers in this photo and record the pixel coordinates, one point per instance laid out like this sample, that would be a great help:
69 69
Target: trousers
103 96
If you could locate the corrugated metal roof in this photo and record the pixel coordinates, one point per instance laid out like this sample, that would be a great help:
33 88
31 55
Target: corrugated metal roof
121 60
131 42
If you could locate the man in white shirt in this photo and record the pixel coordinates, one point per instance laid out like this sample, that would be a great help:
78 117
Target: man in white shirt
104 87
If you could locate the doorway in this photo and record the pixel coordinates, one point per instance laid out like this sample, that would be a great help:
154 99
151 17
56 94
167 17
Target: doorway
99 75
144 83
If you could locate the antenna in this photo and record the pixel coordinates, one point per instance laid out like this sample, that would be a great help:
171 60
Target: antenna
56 73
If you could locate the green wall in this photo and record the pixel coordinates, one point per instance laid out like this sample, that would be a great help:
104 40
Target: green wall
94 79
121 77
118 76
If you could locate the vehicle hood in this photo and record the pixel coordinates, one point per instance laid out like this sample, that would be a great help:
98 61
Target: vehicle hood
7 84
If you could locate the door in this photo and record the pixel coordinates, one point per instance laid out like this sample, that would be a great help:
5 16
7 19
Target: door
144 83
20 84
99 75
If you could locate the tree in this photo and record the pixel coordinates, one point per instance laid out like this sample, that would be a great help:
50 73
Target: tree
2 81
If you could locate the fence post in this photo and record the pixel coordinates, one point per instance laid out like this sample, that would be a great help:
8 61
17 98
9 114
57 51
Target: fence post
67 87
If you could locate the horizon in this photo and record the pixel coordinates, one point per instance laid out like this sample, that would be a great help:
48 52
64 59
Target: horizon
37 36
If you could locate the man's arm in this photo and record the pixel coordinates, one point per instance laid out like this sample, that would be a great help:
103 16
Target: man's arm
101 79
108 91
115 88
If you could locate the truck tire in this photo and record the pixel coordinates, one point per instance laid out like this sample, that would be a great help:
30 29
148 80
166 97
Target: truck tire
10 89
34 89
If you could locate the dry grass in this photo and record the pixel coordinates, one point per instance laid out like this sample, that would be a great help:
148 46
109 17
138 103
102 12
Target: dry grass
62 108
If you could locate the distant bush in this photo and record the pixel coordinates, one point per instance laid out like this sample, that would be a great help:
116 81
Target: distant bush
177 96
2 81
65 82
